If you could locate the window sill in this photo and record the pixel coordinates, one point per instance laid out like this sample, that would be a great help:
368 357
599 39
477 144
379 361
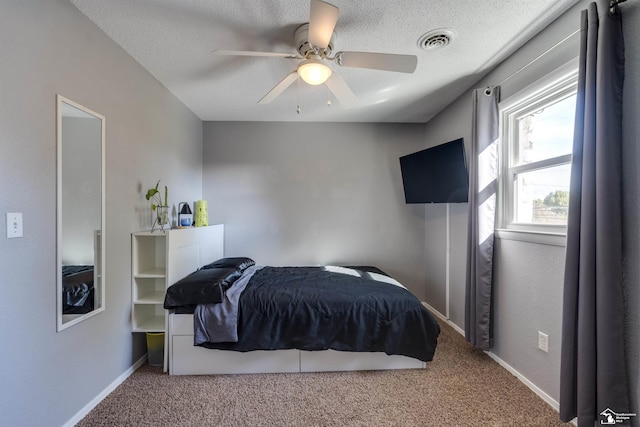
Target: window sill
551 239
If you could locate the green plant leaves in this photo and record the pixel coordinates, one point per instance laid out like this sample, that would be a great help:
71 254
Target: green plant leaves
154 194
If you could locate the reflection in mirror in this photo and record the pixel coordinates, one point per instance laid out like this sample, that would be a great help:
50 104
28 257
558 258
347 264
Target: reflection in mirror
80 213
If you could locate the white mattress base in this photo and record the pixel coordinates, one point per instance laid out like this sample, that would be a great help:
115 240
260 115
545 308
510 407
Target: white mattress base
187 359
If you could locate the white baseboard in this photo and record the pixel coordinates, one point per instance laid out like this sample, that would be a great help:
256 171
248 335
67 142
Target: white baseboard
96 400
537 390
443 318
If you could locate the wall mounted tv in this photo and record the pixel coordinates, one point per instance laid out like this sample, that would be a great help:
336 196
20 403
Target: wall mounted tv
436 175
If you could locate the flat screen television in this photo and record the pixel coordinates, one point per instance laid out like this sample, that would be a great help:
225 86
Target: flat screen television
436 175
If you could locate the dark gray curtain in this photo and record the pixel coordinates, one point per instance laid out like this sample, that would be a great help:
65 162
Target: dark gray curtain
593 383
483 185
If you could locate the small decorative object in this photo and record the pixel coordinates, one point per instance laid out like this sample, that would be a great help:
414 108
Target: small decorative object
185 217
160 207
202 219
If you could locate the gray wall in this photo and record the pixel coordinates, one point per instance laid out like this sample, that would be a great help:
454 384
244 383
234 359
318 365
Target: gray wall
316 193
528 276
48 47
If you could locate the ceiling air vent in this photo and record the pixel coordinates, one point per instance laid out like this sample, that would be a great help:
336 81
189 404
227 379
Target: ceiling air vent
436 39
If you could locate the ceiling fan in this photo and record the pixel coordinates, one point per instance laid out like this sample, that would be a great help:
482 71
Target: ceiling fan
314 43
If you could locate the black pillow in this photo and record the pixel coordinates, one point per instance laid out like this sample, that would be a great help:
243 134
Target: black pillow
201 287
239 263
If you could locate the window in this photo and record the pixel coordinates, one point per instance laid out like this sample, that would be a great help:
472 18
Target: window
537 140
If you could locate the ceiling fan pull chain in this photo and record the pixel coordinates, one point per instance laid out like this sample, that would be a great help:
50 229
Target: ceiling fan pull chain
298 109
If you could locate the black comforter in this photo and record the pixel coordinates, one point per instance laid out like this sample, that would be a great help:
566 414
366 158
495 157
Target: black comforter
312 308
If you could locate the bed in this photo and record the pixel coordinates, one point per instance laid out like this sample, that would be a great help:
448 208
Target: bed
233 316
78 294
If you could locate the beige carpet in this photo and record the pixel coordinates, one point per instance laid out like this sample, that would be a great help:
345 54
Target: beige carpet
460 387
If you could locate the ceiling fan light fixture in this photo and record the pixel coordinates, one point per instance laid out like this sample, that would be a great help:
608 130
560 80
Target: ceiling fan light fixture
314 72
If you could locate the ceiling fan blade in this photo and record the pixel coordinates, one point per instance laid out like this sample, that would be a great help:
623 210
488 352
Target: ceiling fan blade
341 91
378 61
322 21
252 53
279 88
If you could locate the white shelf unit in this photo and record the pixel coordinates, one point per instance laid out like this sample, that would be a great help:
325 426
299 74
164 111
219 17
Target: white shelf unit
149 273
160 259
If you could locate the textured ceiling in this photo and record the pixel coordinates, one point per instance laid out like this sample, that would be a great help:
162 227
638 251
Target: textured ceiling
174 40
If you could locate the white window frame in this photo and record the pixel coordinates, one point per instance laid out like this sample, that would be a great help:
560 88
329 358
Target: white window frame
548 90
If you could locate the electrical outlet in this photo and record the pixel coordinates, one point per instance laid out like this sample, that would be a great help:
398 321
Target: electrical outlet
543 342
14 225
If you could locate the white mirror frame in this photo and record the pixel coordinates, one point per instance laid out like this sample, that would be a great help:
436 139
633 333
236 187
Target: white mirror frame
99 241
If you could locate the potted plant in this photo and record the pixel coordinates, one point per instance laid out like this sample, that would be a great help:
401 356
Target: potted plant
161 207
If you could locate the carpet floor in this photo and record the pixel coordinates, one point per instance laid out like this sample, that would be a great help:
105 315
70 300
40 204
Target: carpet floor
460 387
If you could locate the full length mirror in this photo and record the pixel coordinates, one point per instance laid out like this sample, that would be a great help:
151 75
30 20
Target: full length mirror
80 213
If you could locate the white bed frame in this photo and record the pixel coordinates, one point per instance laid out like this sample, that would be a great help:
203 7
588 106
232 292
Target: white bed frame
183 358
187 359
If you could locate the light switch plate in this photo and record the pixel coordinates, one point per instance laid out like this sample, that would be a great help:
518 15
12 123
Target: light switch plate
14 225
